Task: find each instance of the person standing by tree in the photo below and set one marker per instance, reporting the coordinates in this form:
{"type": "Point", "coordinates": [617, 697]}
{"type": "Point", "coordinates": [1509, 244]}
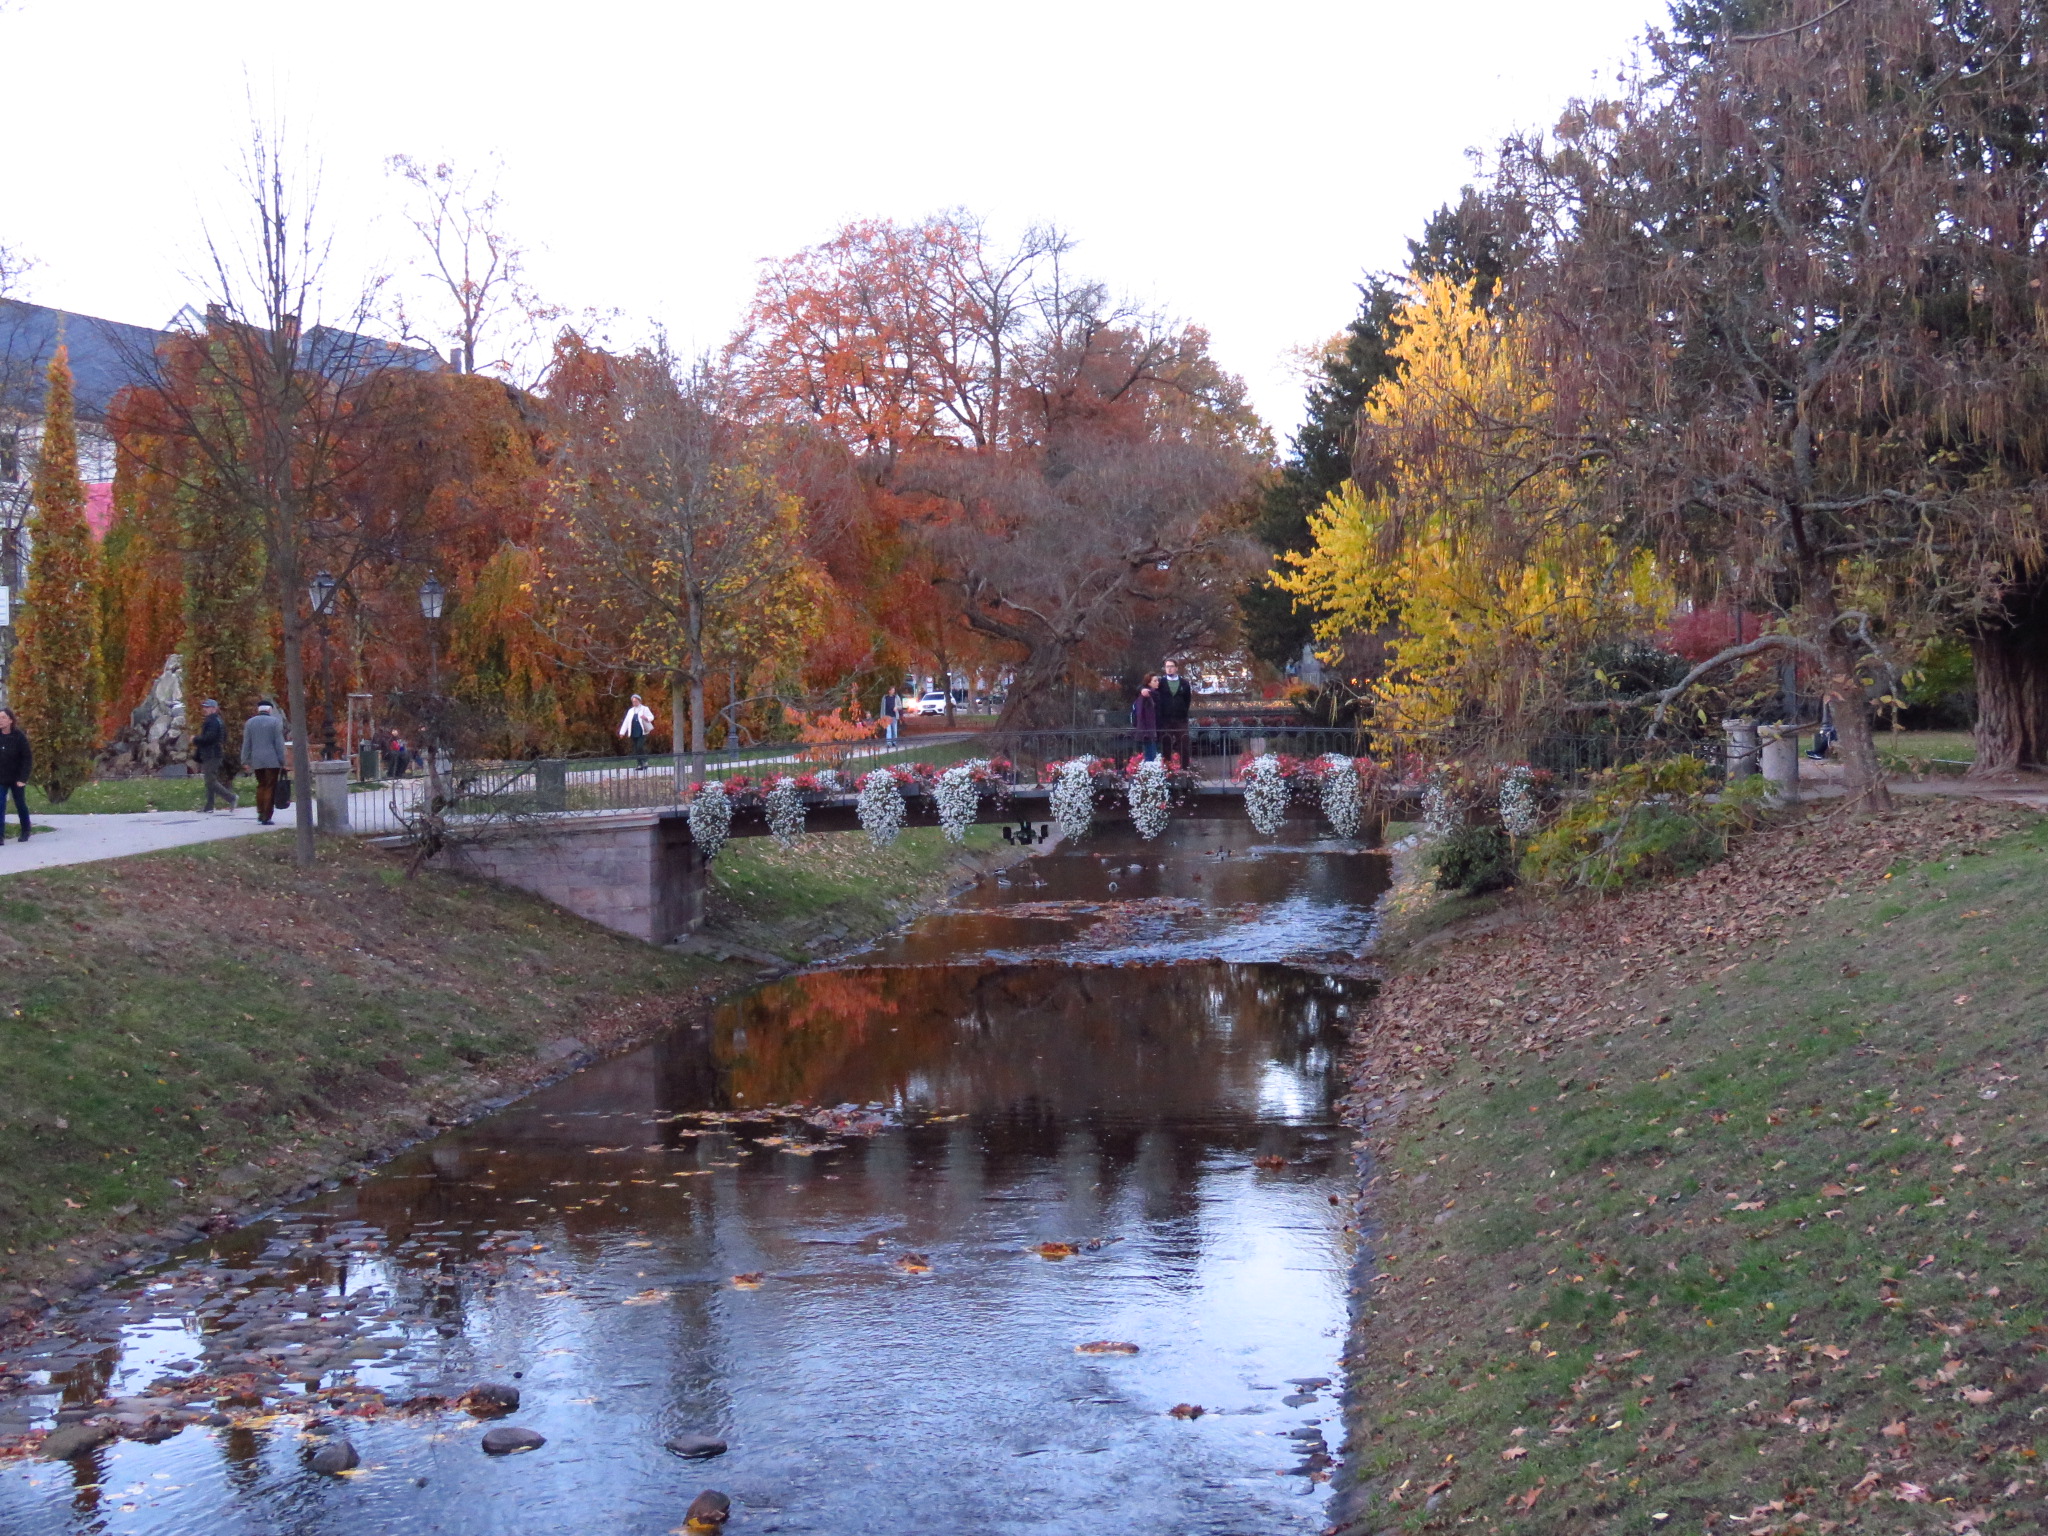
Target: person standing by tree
{"type": "Point", "coordinates": [263, 748]}
{"type": "Point", "coordinates": [17, 762]}
{"type": "Point", "coordinates": [1175, 696]}
{"type": "Point", "coordinates": [892, 713]}
{"type": "Point", "coordinates": [210, 752]}
{"type": "Point", "coordinates": [639, 725]}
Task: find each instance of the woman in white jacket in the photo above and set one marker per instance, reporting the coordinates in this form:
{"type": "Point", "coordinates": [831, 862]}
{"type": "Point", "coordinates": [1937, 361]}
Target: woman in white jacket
{"type": "Point", "coordinates": [638, 724]}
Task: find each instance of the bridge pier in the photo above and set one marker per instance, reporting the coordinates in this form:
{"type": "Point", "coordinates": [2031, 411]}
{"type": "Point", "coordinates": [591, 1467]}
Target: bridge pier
{"type": "Point", "coordinates": [638, 875]}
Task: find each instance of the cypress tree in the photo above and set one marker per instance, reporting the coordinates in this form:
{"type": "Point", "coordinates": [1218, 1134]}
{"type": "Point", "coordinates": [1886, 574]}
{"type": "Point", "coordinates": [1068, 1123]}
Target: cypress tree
{"type": "Point", "coordinates": [56, 681]}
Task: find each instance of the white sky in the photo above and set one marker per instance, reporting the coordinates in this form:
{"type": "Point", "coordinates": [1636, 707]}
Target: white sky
{"type": "Point", "coordinates": [1239, 166]}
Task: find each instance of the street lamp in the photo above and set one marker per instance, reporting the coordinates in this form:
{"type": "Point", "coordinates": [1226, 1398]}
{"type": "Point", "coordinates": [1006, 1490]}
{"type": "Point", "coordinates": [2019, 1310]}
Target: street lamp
{"type": "Point", "coordinates": [433, 596]}
{"type": "Point", "coordinates": [321, 592]}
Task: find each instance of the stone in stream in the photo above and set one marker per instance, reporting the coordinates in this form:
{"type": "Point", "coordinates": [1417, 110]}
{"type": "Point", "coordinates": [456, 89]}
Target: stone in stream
{"type": "Point", "coordinates": [492, 1397]}
{"type": "Point", "coordinates": [708, 1511]}
{"type": "Point", "coordinates": [76, 1440]}
{"type": "Point", "coordinates": [337, 1455]}
{"type": "Point", "coordinates": [507, 1438]}
{"type": "Point", "coordinates": [697, 1447]}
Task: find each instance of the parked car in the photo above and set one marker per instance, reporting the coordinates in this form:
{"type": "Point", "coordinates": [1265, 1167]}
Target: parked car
{"type": "Point", "coordinates": [931, 702]}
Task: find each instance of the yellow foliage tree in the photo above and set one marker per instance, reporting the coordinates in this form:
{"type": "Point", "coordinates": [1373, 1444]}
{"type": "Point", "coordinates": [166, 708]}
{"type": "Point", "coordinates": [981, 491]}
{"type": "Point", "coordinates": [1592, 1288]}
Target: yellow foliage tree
{"type": "Point", "coordinates": [1467, 547]}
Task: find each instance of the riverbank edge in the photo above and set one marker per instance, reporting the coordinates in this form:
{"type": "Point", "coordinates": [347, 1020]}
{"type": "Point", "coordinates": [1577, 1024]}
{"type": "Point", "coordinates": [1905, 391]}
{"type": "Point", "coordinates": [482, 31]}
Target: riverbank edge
{"type": "Point", "coordinates": [1428, 1440]}
{"type": "Point", "coordinates": [701, 975]}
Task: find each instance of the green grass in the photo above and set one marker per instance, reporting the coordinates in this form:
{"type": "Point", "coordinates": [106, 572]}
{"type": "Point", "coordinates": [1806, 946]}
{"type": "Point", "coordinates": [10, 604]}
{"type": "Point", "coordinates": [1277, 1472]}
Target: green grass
{"type": "Point", "coordinates": [1926, 752]}
{"type": "Point", "coordinates": [832, 887]}
{"type": "Point", "coordinates": [1778, 1258]}
{"type": "Point", "coordinates": [124, 796]}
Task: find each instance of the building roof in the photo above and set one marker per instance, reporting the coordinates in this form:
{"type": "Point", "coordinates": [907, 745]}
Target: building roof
{"type": "Point", "coordinates": [104, 356]}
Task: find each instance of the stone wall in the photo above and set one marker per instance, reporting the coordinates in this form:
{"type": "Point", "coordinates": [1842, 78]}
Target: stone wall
{"type": "Point", "coordinates": [639, 875]}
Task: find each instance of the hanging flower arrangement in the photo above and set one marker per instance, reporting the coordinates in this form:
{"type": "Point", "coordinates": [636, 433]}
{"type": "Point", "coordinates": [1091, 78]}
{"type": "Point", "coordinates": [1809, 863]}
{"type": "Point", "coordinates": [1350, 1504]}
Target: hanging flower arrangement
{"type": "Point", "coordinates": [1149, 790]}
{"type": "Point", "coordinates": [880, 807]}
{"type": "Point", "coordinates": [1073, 796]}
{"type": "Point", "coordinates": [958, 793]}
{"type": "Point", "coordinates": [1342, 806]}
{"type": "Point", "coordinates": [1442, 811]}
{"type": "Point", "coordinates": [710, 816]}
{"type": "Point", "coordinates": [1265, 794]}
{"type": "Point", "coordinates": [1520, 815]}
{"type": "Point", "coordinates": [784, 804]}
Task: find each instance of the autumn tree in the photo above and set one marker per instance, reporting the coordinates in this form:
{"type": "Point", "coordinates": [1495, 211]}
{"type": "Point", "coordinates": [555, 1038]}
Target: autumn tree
{"type": "Point", "coordinates": [56, 665]}
{"type": "Point", "coordinates": [670, 544]}
{"type": "Point", "coordinates": [1789, 288]}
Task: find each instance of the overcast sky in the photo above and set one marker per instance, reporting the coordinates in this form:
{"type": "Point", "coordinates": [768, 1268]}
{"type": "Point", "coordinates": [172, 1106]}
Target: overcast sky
{"type": "Point", "coordinates": [1239, 166]}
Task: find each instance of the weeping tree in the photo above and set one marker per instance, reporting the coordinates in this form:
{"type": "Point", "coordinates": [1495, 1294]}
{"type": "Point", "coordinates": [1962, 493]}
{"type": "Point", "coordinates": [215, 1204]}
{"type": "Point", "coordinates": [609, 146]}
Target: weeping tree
{"type": "Point", "coordinates": [1790, 285]}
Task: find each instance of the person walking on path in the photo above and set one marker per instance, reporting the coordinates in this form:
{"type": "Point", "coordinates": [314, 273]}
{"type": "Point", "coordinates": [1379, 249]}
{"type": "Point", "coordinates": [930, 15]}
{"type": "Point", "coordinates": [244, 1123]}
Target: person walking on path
{"type": "Point", "coordinates": [1145, 718]}
{"type": "Point", "coordinates": [263, 754]}
{"type": "Point", "coordinates": [1174, 698]}
{"type": "Point", "coordinates": [892, 712]}
{"type": "Point", "coordinates": [17, 762]}
{"type": "Point", "coordinates": [638, 724]}
{"type": "Point", "coordinates": [210, 750]}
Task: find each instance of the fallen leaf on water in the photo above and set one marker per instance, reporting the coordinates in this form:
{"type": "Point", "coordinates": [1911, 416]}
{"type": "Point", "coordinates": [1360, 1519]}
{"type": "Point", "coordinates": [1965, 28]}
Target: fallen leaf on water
{"type": "Point", "coordinates": [914, 1264]}
{"type": "Point", "coordinates": [1054, 1250]}
{"type": "Point", "coordinates": [1106, 1347]}
{"type": "Point", "coordinates": [748, 1282]}
{"type": "Point", "coordinates": [1186, 1411]}
{"type": "Point", "coordinates": [1270, 1160]}
{"type": "Point", "coordinates": [644, 1298]}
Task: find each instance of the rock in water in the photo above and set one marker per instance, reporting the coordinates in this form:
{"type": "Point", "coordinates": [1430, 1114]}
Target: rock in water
{"type": "Point", "coordinates": [708, 1511]}
{"type": "Point", "coordinates": [508, 1438]}
{"type": "Point", "coordinates": [334, 1456]}
{"type": "Point", "coordinates": [697, 1447]}
{"type": "Point", "coordinates": [492, 1397]}
{"type": "Point", "coordinates": [75, 1440]}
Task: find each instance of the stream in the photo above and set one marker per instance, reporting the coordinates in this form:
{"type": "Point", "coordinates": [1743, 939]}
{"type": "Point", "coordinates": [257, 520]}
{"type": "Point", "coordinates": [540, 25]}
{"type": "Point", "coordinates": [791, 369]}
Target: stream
{"type": "Point", "coordinates": [863, 1225]}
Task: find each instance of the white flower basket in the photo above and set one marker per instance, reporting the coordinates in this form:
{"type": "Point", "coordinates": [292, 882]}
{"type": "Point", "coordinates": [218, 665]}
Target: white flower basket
{"type": "Point", "coordinates": [827, 780]}
{"type": "Point", "coordinates": [1341, 804]}
{"type": "Point", "coordinates": [1265, 795]}
{"type": "Point", "coordinates": [710, 815]}
{"type": "Point", "coordinates": [1441, 812]}
{"type": "Point", "coordinates": [1149, 792]}
{"type": "Point", "coordinates": [784, 804]}
{"type": "Point", "coordinates": [959, 798]}
{"type": "Point", "coordinates": [881, 807]}
{"type": "Point", "coordinates": [1519, 815]}
{"type": "Point", "coordinates": [1073, 797]}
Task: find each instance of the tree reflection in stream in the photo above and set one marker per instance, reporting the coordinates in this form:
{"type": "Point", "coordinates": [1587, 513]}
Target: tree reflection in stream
{"type": "Point", "coordinates": [1170, 1123]}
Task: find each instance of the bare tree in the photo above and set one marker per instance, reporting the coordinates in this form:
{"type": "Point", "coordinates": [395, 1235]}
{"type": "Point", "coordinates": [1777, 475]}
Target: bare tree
{"type": "Point", "coordinates": [470, 256]}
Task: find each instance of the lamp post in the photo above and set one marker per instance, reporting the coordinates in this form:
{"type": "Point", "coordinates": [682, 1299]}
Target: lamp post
{"type": "Point", "coordinates": [433, 596]}
{"type": "Point", "coordinates": [321, 592]}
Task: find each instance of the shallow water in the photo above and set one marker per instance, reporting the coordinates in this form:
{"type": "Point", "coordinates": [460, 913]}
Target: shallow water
{"type": "Point", "coordinates": [876, 1150]}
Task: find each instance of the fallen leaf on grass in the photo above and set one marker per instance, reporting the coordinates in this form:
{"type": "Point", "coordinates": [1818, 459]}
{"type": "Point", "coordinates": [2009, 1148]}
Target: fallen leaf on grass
{"type": "Point", "coordinates": [1910, 1493]}
{"type": "Point", "coordinates": [1514, 1453]}
{"type": "Point", "coordinates": [1834, 1351]}
{"type": "Point", "coordinates": [1833, 1191]}
{"type": "Point", "coordinates": [1748, 1205]}
{"type": "Point", "coordinates": [1054, 1250]}
{"type": "Point", "coordinates": [1106, 1347]}
{"type": "Point", "coordinates": [1977, 1397]}
{"type": "Point", "coordinates": [748, 1282]}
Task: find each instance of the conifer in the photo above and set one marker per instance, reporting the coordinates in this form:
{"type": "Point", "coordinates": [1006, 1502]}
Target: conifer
{"type": "Point", "coordinates": [55, 685]}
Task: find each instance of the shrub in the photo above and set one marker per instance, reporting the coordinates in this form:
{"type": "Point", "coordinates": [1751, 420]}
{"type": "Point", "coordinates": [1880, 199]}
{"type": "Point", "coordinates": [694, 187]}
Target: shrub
{"type": "Point", "coordinates": [1474, 860]}
{"type": "Point", "coordinates": [1643, 822]}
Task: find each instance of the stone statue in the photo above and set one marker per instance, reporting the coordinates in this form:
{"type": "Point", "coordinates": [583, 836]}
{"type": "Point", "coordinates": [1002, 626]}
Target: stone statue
{"type": "Point", "coordinates": [154, 739]}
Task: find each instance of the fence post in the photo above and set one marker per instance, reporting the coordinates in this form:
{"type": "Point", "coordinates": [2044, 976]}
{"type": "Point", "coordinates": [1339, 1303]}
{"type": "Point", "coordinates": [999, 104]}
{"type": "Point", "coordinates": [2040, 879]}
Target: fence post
{"type": "Point", "coordinates": [550, 784]}
{"type": "Point", "coordinates": [330, 795]}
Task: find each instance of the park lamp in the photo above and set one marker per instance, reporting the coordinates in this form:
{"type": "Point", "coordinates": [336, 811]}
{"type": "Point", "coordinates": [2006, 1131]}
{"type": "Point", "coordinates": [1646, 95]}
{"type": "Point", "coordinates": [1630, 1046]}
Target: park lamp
{"type": "Point", "coordinates": [432, 596]}
{"type": "Point", "coordinates": [322, 593]}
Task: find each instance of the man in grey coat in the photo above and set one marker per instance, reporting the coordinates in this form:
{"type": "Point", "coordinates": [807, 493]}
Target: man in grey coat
{"type": "Point", "coordinates": [263, 752]}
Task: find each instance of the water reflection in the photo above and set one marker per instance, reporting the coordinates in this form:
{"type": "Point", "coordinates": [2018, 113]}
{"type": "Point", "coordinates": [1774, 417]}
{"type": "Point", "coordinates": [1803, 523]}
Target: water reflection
{"type": "Point", "coordinates": [884, 1147]}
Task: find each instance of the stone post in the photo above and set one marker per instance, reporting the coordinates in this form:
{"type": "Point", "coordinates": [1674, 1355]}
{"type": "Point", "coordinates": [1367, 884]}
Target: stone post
{"type": "Point", "coordinates": [330, 795]}
{"type": "Point", "coordinates": [550, 784]}
{"type": "Point", "coordinates": [1742, 748]}
{"type": "Point", "coordinates": [1781, 758]}
{"type": "Point", "coordinates": [370, 763]}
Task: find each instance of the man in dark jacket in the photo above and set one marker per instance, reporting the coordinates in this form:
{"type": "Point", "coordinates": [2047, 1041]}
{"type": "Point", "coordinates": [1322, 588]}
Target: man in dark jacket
{"type": "Point", "coordinates": [263, 755]}
{"type": "Point", "coordinates": [210, 750]}
{"type": "Point", "coordinates": [1175, 695]}
{"type": "Point", "coordinates": [17, 762]}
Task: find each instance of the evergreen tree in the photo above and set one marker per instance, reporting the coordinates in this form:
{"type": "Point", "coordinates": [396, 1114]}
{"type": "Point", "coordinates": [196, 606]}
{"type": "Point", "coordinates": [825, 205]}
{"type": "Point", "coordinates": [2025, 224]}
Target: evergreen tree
{"type": "Point", "coordinates": [56, 683]}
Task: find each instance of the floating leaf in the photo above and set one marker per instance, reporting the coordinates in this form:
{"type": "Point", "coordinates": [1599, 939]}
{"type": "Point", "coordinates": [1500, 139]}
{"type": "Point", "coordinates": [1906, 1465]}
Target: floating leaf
{"type": "Point", "coordinates": [1106, 1347]}
{"type": "Point", "coordinates": [748, 1282]}
{"type": "Point", "coordinates": [1054, 1250]}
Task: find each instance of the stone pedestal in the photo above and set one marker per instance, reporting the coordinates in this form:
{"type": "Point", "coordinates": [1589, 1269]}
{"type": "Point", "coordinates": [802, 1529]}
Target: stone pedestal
{"type": "Point", "coordinates": [1780, 744]}
{"type": "Point", "coordinates": [330, 795]}
{"type": "Point", "coordinates": [370, 763]}
{"type": "Point", "coordinates": [1742, 748]}
{"type": "Point", "coordinates": [551, 784]}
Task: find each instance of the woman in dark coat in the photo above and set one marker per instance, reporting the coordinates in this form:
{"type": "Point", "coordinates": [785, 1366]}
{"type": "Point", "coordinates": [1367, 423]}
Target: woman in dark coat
{"type": "Point", "coordinates": [1145, 718]}
{"type": "Point", "coordinates": [17, 762]}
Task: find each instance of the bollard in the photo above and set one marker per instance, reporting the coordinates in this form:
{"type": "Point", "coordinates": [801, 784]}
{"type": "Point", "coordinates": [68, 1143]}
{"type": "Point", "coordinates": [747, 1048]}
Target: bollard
{"type": "Point", "coordinates": [550, 784]}
{"type": "Point", "coordinates": [1742, 747]}
{"type": "Point", "coordinates": [330, 795]}
{"type": "Point", "coordinates": [371, 763]}
{"type": "Point", "coordinates": [1780, 755]}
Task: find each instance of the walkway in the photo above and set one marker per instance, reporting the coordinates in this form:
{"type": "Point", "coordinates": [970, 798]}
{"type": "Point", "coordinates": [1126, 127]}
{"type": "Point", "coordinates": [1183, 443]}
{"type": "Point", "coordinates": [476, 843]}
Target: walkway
{"type": "Point", "coordinates": [59, 839]}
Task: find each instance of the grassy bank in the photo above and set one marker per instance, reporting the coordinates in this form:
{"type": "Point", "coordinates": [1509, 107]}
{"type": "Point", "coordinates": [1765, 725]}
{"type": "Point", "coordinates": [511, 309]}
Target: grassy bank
{"type": "Point", "coordinates": [199, 1029]}
{"type": "Point", "coordinates": [1719, 1207]}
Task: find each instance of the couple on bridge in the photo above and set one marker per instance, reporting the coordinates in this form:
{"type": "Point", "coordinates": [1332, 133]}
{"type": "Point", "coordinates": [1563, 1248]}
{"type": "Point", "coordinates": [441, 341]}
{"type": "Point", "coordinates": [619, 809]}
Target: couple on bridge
{"type": "Point", "coordinates": [1159, 714]}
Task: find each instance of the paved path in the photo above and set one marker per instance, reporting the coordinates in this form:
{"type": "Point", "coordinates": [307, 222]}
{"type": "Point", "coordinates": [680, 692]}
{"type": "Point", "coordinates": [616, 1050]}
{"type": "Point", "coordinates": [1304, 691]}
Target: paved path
{"type": "Point", "coordinates": [82, 839]}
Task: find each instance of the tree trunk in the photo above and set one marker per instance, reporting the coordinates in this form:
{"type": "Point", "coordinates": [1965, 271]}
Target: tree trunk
{"type": "Point", "coordinates": [2011, 665]}
{"type": "Point", "coordinates": [1849, 705]}
{"type": "Point", "coordinates": [678, 714]}
{"type": "Point", "coordinates": [697, 722]}
{"type": "Point", "coordinates": [302, 755]}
